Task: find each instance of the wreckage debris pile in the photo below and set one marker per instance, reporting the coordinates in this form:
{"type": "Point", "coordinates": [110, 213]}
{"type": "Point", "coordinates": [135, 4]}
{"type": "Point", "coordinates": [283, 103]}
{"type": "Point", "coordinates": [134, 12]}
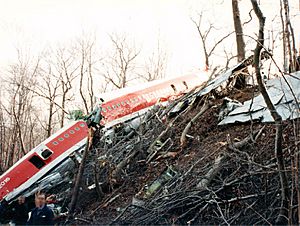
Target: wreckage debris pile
{"type": "Point", "coordinates": [221, 175]}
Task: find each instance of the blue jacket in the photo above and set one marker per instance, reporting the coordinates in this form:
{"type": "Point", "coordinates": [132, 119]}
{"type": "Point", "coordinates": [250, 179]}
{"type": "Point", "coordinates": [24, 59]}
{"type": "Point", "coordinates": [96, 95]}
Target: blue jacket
{"type": "Point", "coordinates": [41, 216]}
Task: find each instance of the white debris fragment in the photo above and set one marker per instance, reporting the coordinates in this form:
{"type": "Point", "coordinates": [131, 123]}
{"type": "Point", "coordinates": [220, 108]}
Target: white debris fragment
{"type": "Point", "coordinates": [285, 95]}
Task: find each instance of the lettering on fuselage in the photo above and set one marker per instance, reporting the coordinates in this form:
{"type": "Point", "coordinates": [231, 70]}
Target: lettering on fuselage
{"type": "Point", "coordinates": [7, 179]}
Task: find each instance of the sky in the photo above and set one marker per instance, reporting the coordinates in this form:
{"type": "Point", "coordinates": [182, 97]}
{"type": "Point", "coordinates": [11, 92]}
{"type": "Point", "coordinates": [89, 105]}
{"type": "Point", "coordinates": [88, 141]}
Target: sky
{"type": "Point", "coordinates": [35, 24]}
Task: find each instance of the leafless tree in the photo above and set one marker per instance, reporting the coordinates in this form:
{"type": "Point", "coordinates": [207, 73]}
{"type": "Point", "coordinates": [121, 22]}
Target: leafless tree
{"type": "Point", "coordinates": [289, 45]}
{"type": "Point", "coordinates": [15, 109]}
{"type": "Point", "coordinates": [238, 31]}
{"type": "Point", "coordinates": [204, 35]}
{"type": "Point", "coordinates": [66, 67]}
{"type": "Point", "coordinates": [155, 66]}
{"type": "Point", "coordinates": [241, 80]}
{"type": "Point", "coordinates": [120, 64]}
{"type": "Point", "coordinates": [48, 88]}
{"type": "Point", "coordinates": [88, 59]}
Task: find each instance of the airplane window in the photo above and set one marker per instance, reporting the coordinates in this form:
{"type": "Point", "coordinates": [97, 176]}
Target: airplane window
{"type": "Point", "coordinates": [127, 101]}
{"type": "Point", "coordinates": [37, 162]}
{"type": "Point", "coordinates": [123, 103]}
{"type": "Point", "coordinates": [114, 106]}
{"type": "Point", "coordinates": [60, 139]}
{"type": "Point", "coordinates": [71, 131]}
{"type": "Point", "coordinates": [66, 135]}
{"type": "Point", "coordinates": [103, 109]}
{"type": "Point", "coordinates": [77, 128]}
{"type": "Point", "coordinates": [118, 104]}
{"type": "Point", "coordinates": [46, 153]}
{"type": "Point", "coordinates": [185, 84]}
{"type": "Point", "coordinates": [174, 88]}
{"type": "Point", "coordinates": [109, 108]}
{"type": "Point", "coordinates": [55, 143]}
{"type": "Point", "coordinates": [82, 125]}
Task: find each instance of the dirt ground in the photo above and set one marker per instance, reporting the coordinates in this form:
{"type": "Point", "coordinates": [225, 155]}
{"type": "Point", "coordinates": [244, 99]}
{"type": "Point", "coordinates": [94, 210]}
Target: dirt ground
{"type": "Point", "coordinates": [252, 199]}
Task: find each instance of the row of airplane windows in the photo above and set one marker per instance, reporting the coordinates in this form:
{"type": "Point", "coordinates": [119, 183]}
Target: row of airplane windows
{"type": "Point", "coordinates": [147, 96]}
{"type": "Point", "coordinates": [67, 135]}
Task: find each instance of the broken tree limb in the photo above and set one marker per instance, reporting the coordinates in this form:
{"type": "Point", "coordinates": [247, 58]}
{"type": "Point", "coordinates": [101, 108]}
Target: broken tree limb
{"type": "Point", "coordinates": [97, 184]}
{"type": "Point", "coordinates": [78, 177]}
{"type": "Point", "coordinates": [111, 200]}
{"type": "Point", "coordinates": [210, 175]}
{"type": "Point", "coordinates": [250, 139]}
{"type": "Point", "coordinates": [151, 149]}
{"type": "Point", "coordinates": [154, 153]}
{"type": "Point", "coordinates": [183, 139]}
{"type": "Point", "coordinates": [217, 166]}
{"type": "Point", "coordinates": [116, 173]}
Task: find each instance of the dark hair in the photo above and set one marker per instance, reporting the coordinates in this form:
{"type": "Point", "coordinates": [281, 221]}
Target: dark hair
{"type": "Point", "coordinates": [4, 202]}
{"type": "Point", "coordinates": [40, 193]}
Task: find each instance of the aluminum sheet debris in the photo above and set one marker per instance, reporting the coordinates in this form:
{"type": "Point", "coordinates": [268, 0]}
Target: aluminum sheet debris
{"type": "Point", "coordinates": [285, 95]}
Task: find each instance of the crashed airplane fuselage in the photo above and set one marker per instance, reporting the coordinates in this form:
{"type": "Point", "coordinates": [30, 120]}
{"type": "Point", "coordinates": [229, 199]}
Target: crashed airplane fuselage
{"type": "Point", "coordinates": [50, 153]}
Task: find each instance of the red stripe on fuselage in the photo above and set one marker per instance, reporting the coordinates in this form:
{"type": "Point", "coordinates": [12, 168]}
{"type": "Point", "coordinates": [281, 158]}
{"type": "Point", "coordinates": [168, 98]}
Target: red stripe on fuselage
{"type": "Point", "coordinates": [24, 170]}
{"type": "Point", "coordinates": [117, 108]}
{"type": "Point", "coordinates": [136, 101]}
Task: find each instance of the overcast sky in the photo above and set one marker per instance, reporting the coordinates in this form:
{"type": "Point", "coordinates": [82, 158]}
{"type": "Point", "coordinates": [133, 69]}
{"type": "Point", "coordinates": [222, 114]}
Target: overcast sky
{"type": "Point", "coordinates": [34, 24]}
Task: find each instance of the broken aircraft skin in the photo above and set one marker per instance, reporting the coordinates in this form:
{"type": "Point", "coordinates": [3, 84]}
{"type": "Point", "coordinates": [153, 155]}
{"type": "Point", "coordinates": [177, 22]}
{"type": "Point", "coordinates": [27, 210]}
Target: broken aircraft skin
{"type": "Point", "coordinates": [285, 96]}
{"type": "Point", "coordinates": [37, 163]}
{"type": "Point", "coordinates": [57, 178]}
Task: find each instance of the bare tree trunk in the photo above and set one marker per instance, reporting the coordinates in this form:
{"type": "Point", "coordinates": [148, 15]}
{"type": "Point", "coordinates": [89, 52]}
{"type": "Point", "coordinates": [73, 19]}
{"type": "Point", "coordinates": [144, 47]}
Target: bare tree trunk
{"type": "Point", "coordinates": [294, 50]}
{"type": "Point", "coordinates": [285, 64]}
{"type": "Point", "coordinates": [240, 44]}
{"type": "Point", "coordinates": [78, 177]}
{"type": "Point", "coordinates": [238, 31]}
{"type": "Point", "coordinates": [49, 125]}
{"type": "Point", "coordinates": [17, 117]}
{"type": "Point", "coordinates": [90, 78]}
{"type": "Point", "coordinates": [289, 37]}
{"type": "Point", "coordinates": [81, 81]}
{"type": "Point", "coordinates": [63, 102]}
{"type": "Point", "coordinates": [283, 214]}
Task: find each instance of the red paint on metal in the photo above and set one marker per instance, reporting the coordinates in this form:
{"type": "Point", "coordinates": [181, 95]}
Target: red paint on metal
{"type": "Point", "coordinates": [112, 110]}
{"type": "Point", "coordinates": [24, 170]}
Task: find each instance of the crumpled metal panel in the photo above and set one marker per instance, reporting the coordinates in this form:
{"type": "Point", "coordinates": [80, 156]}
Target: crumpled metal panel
{"type": "Point", "coordinates": [282, 96]}
{"type": "Point", "coordinates": [217, 81]}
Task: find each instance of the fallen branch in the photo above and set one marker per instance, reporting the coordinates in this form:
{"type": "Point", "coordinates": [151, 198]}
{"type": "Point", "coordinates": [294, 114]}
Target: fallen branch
{"type": "Point", "coordinates": [210, 175]}
{"type": "Point", "coordinates": [152, 148]}
{"type": "Point", "coordinates": [183, 139]}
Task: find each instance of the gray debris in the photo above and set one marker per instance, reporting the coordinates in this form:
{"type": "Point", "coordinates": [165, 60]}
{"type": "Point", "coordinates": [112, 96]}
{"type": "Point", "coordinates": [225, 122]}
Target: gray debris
{"type": "Point", "coordinates": [282, 95]}
{"type": "Point", "coordinates": [228, 106]}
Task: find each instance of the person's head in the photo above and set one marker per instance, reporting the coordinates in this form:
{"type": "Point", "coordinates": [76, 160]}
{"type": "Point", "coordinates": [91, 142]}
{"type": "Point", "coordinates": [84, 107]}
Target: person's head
{"type": "Point", "coordinates": [40, 199]}
{"type": "Point", "coordinates": [4, 203]}
{"type": "Point", "coordinates": [21, 200]}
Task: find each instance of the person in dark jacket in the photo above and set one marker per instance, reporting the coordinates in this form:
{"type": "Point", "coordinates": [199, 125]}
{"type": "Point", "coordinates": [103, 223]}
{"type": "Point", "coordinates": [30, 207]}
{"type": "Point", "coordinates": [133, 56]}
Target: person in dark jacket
{"type": "Point", "coordinates": [41, 214]}
{"type": "Point", "coordinates": [3, 211]}
{"type": "Point", "coordinates": [20, 211]}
